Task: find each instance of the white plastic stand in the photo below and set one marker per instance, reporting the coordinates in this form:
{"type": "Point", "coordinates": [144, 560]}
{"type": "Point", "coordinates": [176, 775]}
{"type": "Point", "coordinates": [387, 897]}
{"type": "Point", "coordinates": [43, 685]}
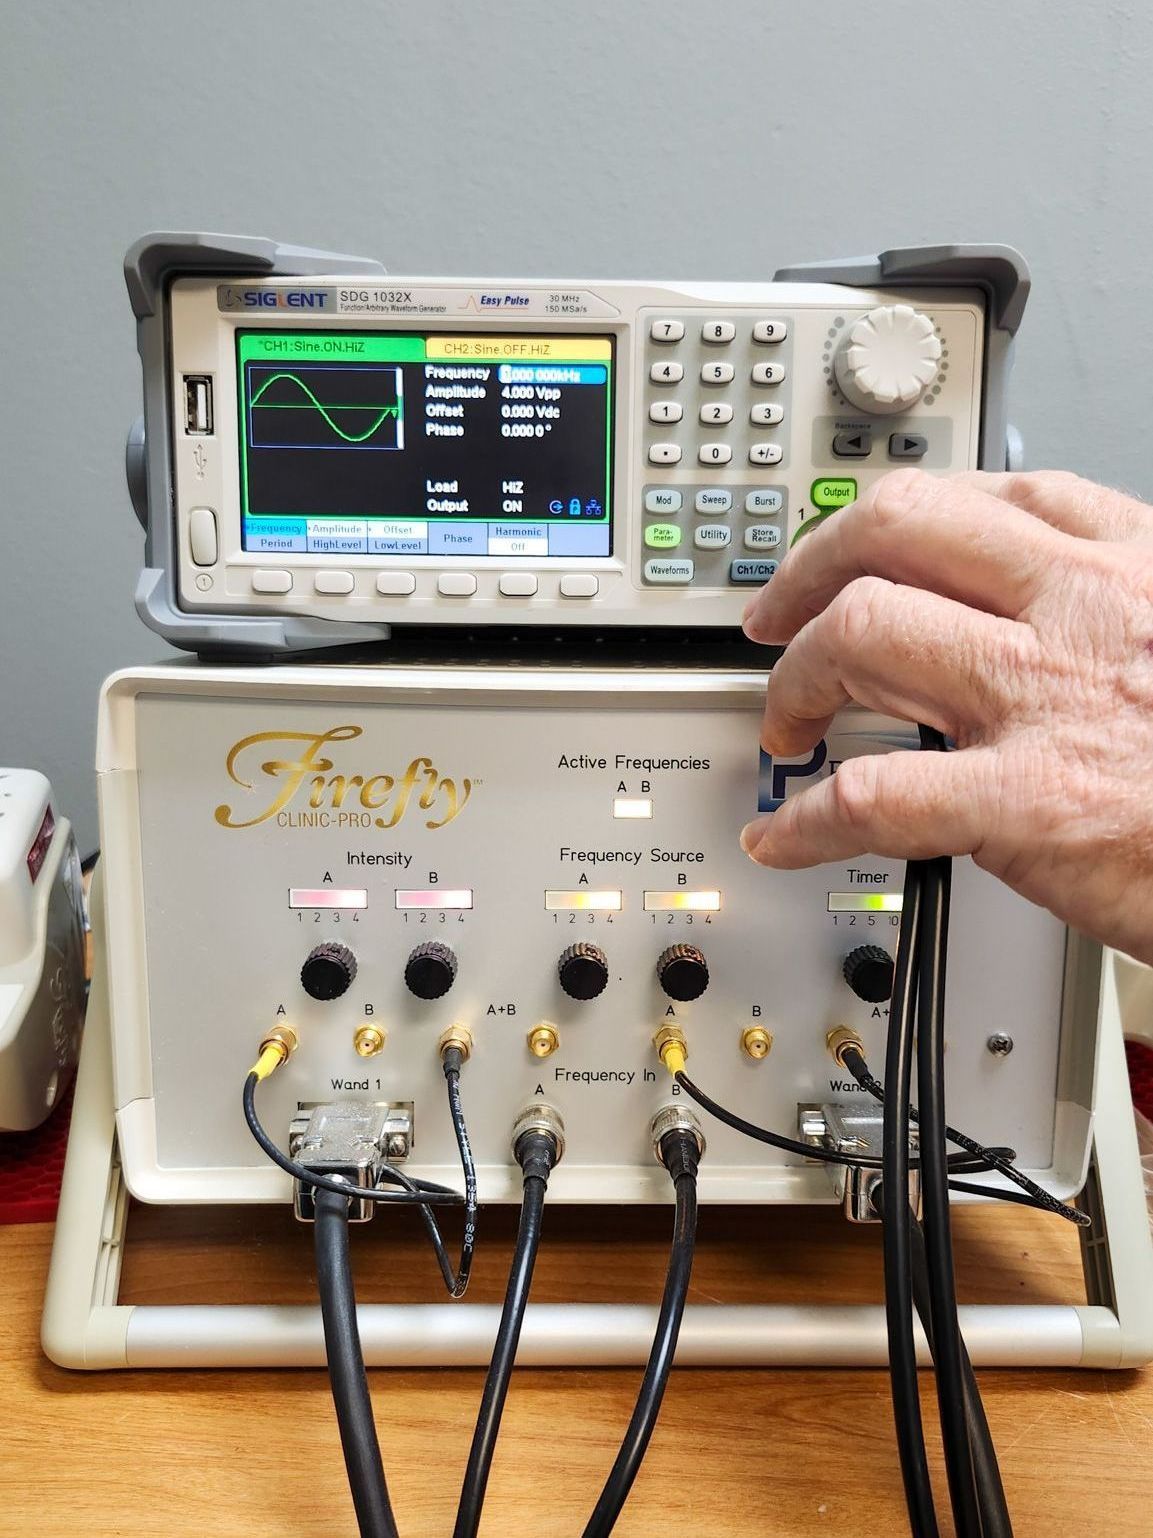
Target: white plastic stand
{"type": "Point", "coordinates": [85, 1327]}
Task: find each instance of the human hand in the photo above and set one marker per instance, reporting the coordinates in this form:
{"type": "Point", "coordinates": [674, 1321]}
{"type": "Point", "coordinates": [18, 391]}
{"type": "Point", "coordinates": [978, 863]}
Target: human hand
{"type": "Point", "coordinates": [1015, 614]}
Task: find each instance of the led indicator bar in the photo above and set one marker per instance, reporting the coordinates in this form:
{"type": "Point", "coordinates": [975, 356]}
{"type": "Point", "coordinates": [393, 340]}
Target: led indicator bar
{"type": "Point", "coordinates": [682, 902]}
{"type": "Point", "coordinates": [632, 806]}
{"type": "Point", "coordinates": [436, 897]}
{"type": "Point", "coordinates": [327, 897]}
{"type": "Point", "coordinates": [865, 902]}
{"type": "Point", "coordinates": [600, 902]}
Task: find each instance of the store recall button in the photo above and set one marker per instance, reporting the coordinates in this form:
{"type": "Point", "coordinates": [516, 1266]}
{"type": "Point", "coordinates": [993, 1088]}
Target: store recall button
{"type": "Point", "coordinates": [752, 571]}
{"type": "Point", "coordinates": [668, 572]}
{"type": "Point", "coordinates": [833, 491]}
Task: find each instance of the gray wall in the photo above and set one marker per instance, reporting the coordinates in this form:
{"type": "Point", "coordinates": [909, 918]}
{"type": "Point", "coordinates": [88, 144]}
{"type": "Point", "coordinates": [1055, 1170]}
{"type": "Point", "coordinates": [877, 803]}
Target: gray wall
{"type": "Point", "coordinates": [620, 137]}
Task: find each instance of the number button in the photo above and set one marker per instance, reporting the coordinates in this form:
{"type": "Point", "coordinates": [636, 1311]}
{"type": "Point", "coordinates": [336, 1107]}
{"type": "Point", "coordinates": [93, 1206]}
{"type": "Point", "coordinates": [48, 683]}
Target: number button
{"type": "Point", "coordinates": [766, 454]}
{"type": "Point", "coordinates": [714, 453]}
{"type": "Point", "coordinates": [666, 373]}
{"type": "Point", "coordinates": [767, 416]}
{"type": "Point", "coordinates": [666, 411]}
{"type": "Point", "coordinates": [667, 330]}
{"type": "Point", "coordinates": [664, 454]}
{"type": "Point", "coordinates": [768, 373]}
{"type": "Point", "coordinates": [715, 413]}
{"type": "Point", "coordinates": [718, 331]}
{"type": "Point", "coordinates": [770, 331]}
{"type": "Point", "coordinates": [717, 373]}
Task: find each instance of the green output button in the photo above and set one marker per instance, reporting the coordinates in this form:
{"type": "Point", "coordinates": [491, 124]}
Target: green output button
{"type": "Point", "coordinates": [662, 536]}
{"type": "Point", "coordinates": [832, 492]}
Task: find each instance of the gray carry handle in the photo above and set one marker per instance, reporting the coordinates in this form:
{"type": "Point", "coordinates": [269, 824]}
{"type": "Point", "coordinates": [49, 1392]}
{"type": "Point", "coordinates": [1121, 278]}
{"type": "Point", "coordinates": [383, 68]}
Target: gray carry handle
{"type": "Point", "coordinates": [150, 265]}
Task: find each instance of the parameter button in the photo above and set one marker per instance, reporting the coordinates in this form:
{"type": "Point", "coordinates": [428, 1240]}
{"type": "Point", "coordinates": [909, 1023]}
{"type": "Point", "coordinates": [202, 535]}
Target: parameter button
{"type": "Point", "coordinates": [456, 584]}
{"type": "Point", "coordinates": [663, 499]}
{"type": "Point", "coordinates": [668, 573]}
{"type": "Point", "coordinates": [718, 331]}
{"type": "Point", "coordinates": [713, 499]}
{"type": "Point", "coordinates": [333, 582]}
{"type": "Point", "coordinates": [202, 536]}
{"type": "Point", "coordinates": [518, 584]}
{"type": "Point", "coordinates": [272, 582]}
{"type": "Point", "coordinates": [395, 583]}
{"type": "Point", "coordinates": [579, 584]}
{"type": "Point", "coordinates": [664, 453]}
{"type": "Point", "coordinates": [667, 330]}
{"type": "Point", "coordinates": [662, 536]}
{"type": "Point", "coordinates": [770, 331]}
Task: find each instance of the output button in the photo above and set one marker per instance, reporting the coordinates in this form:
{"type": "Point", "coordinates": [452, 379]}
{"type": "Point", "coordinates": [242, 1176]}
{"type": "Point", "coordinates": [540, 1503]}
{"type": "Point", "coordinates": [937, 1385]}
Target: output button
{"type": "Point", "coordinates": [833, 491]}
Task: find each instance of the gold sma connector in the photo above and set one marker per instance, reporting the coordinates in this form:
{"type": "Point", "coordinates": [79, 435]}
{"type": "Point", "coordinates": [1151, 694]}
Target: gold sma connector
{"type": "Point", "coordinates": [543, 1039]}
{"type": "Point", "coordinates": [841, 1038]}
{"type": "Point", "coordinates": [756, 1042]}
{"type": "Point", "coordinates": [368, 1040]}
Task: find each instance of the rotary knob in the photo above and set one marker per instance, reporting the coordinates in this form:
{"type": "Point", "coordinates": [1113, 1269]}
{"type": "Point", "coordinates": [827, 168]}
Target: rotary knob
{"type": "Point", "coordinates": [430, 970]}
{"type": "Point", "coordinates": [328, 970]}
{"type": "Point", "coordinates": [888, 359]}
{"type": "Point", "coordinates": [868, 970]}
{"type": "Point", "coordinates": [583, 970]}
{"type": "Point", "coordinates": [683, 972]}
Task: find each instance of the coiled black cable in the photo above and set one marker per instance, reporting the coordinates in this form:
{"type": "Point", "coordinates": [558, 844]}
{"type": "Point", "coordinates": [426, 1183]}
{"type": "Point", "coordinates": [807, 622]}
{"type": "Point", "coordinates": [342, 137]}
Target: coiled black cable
{"type": "Point", "coordinates": [999, 1159]}
{"type": "Point", "coordinates": [536, 1152]}
{"type": "Point", "coordinates": [422, 1193]}
{"type": "Point", "coordinates": [680, 1154]}
{"type": "Point", "coordinates": [346, 1369]}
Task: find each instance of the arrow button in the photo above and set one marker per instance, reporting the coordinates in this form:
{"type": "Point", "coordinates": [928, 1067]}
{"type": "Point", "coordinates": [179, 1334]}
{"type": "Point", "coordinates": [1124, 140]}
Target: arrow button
{"type": "Point", "coordinates": [908, 446]}
{"type": "Point", "coordinates": [854, 445]}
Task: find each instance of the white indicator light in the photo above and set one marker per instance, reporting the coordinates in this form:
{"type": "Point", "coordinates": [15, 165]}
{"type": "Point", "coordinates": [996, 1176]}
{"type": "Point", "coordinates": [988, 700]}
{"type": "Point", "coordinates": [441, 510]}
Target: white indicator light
{"type": "Point", "coordinates": [865, 902]}
{"type": "Point", "coordinates": [436, 897]}
{"type": "Point", "coordinates": [600, 902]}
{"type": "Point", "coordinates": [327, 897]}
{"type": "Point", "coordinates": [682, 902]}
{"type": "Point", "coordinates": [632, 806]}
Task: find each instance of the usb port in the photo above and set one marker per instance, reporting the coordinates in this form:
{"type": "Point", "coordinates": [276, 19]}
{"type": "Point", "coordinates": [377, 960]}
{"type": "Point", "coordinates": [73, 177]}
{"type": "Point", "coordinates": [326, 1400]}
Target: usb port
{"type": "Point", "coordinates": [197, 403]}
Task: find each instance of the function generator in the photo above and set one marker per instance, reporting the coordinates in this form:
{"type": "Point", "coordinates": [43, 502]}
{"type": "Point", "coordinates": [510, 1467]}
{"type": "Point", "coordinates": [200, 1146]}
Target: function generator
{"type": "Point", "coordinates": [329, 454]}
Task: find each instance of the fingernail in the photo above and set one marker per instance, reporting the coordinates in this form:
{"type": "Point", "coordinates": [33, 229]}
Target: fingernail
{"type": "Point", "coordinates": [751, 837]}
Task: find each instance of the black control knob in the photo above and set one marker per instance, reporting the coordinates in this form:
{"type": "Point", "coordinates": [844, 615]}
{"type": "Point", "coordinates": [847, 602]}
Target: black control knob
{"type": "Point", "coordinates": [869, 973]}
{"type": "Point", "coordinates": [583, 970]}
{"type": "Point", "coordinates": [430, 970]}
{"type": "Point", "coordinates": [329, 970]}
{"type": "Point", "coordinates": [683, 972]}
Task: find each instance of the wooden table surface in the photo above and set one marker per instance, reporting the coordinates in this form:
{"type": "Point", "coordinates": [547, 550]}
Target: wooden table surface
{"type": "Point", "coordinates": [780, 1454]}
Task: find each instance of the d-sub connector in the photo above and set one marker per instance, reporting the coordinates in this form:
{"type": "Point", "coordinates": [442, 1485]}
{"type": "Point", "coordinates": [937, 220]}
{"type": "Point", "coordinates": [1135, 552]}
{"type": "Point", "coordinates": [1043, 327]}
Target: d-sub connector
{"type": "Point", "coordinates": [348, 1140]}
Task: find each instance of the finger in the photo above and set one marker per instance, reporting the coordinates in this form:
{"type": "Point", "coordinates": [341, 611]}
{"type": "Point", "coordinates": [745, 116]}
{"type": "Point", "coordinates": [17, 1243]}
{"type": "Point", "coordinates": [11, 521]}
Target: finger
{"type": "Point", "coordinates": [904, 806]}
{"type": "Point", "coordinates": [1067, 502]}
{"type": "Point", "coordinates": [898, 651]}
{"type": "Point", "coordinates": [920, 530]}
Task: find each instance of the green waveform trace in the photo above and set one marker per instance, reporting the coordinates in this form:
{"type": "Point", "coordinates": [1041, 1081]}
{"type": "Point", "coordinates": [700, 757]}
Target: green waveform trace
{"type": "Point", "coordinates": [312, 404]}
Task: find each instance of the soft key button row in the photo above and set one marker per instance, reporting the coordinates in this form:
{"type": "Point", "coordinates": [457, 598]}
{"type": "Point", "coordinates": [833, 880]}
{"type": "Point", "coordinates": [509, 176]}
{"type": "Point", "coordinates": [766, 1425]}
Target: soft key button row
{"type": "Point", "coordinates": [449, 584]}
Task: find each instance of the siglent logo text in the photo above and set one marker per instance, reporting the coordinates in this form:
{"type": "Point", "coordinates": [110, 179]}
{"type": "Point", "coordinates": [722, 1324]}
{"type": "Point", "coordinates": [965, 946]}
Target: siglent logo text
{"type": "Point", "coordinates": [277, 298]}
{"type": "Point", "coordinates": [298, 789]}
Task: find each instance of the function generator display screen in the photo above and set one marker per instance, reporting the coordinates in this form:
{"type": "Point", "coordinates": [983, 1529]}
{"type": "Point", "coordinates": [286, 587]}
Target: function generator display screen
{"type": "Point", "coordinates": [362, 443]}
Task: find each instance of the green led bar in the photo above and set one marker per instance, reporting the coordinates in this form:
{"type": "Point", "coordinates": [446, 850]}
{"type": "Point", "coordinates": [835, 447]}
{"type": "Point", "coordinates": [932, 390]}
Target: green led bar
{"type": "Point", "coordinates": [865, 902]}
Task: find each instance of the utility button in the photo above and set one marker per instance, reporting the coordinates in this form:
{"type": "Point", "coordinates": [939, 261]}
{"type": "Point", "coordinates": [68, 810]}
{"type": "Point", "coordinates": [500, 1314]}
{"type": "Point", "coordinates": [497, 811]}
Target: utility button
{"type": "Point", "coordinates": [752, 571]}
{"type": "Point", "coordinates": [669, 573]}
{"type": "Point", "coordinates": [833, 491]}
{"type": "Point", "coordinates": [854, 445]}
{"type": "Point", "coordinates": [908, 446]}
{"type": "Point", "coordinates": [662, 536]}
{"type": "Point", "coordinates": [712, 536]}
